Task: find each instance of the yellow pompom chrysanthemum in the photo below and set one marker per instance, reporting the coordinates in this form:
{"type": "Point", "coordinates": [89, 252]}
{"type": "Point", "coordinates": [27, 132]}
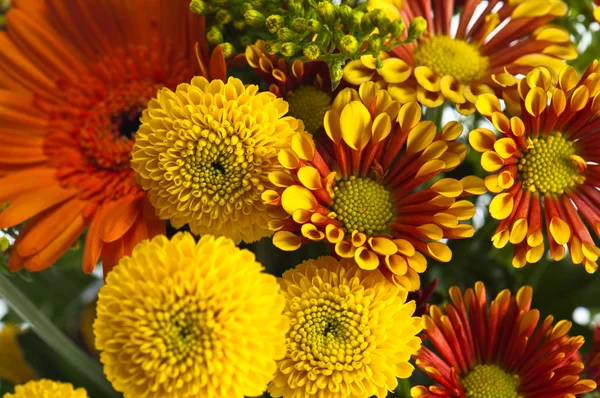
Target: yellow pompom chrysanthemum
{"type": "Point", "coordinates": [47, 389]}
{"type": "Point", "coordinates": [204, 153]}
{"type": "Point", "coordinates": [13, 366]}
{"type": "Point", "coordinates": [351, 334]}
{"type": "Point", "coordinates": [181, 319]}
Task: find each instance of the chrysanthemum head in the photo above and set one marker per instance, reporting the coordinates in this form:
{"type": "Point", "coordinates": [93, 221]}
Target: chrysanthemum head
{"type": "Point", "coordinates": [179, 319]}
{"type": "Point", "coordinates": [352, 332]}
{"type": "Point", "coordinates": [47, 389]}
{"type": "Point", "coordinates": [309, 104]}
{"type": "Point", "coordinates": [489, 381]}
{"type": "Point", "coordinates": [204, 152]}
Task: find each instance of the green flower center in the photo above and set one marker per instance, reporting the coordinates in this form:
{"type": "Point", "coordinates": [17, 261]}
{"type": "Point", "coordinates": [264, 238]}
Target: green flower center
{"type": "Point", "coordinates": [309, 104]}
{"type": "Point", "coordinates": [363, 205]}
{"type": "Point", "coordinates": [453, 57]}
{"type": "Point", "coordinates": [489, 381]}
{"type": "Point", "coordinates": [547, 165]}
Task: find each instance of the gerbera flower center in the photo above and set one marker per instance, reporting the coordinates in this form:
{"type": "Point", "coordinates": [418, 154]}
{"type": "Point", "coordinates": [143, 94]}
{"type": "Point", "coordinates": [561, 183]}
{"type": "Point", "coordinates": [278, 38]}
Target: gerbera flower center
{"type": "Point", "coordinates": [363, 205]}
{"type": "Point", "coordinates": [332, 330]}
{"type": "Point", "coordinates": [453, 57]}
{"type": "Point", "coordinates": [309, 104]}
{"type": "Point", "coordinates": [548, 165]}
{"type": "Point", "coordinates": [489, 381]}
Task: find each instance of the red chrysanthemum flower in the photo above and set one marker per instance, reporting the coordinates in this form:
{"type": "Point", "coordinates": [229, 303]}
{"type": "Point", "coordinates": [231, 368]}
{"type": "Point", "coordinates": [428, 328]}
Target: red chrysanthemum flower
{"type": "Point", "coordinates": [306, 86]}
{"type": "Point", "coordinates": [498, 350]}
{"type": "Point", "coordinates": [74, 78]}
{"type": "Point", "coordinates": [544, 169]}
{"type": "Point", "coordinates": [460, 63]}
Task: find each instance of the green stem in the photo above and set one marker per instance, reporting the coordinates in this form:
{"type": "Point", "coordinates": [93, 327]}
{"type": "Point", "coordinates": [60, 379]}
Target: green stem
{"type": "Point", "coordinates": [403, 389]}
{"type": "Point", "coordinates": [47, 331]}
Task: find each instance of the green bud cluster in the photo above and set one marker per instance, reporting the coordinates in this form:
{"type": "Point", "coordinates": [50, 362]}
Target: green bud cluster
{"type": "Point", "coordinates": [322, 30]}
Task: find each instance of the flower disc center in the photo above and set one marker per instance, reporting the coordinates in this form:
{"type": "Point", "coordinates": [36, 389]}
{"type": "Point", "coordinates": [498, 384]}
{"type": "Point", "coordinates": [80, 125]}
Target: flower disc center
{"type": "Point", "coordinates": [309, 104]}
{"type": "Point", "coordinates": [451, 57]}
{"type": "Point", "coordinates": [548, 165]}
{"type": "Point", "coordinates": [487, 381]}
{"type": "Point", "coordinates": [363, 205]}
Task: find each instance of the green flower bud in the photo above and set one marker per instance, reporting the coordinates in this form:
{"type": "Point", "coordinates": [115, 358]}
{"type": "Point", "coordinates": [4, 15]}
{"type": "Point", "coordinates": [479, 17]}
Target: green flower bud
{"type": "Point", "coordinates": [246, 41]}
{"type": "Point", "coordinates": [285, 34]}
{"type": "Point", "coordinates": [365, 24]}
{"type": "Point", "coordinates": [223, 17]}
{"type": "Point", "coordinates": [289, 49]}
{"type": "Point", "coordinates": [220, 3]}
{"type": "Point", "coordinates": [257, 4]}
{"type": "Point", "coordinates": [357, 17]}
{"type": "Point", "coordinates": [300, 25]}
{"type": "Point", "coordinates": [376, 42]}
{"type": "Point", "coordinates": [311, 51]}
{"type": "Point", "coordinates": [416, 28]}
{"type": "Point", "coordinates": [214, 36]}
{"type": "Point", "coordinates": [239, 24]}
{"type": "Point", "coordinates": [198, 7]}
{"type": "Point", "coordinates": [344, 13]}
{"type": "Point", "coordinates": [348, 44]}
{"type": "Point", "coordinates": [245, 7]}
{"type": "Point", "coordinates": [378, 17]}
{"type": "Point", "coordinates": [397, 28]}
{"type": "Point", "coordinates": [336, 72]}
{"type": "Point", "coordinates": [4, 244]}
{"type": "Point", "coordinates": [326, 11]}
{"type": "Point", "coordinates": [274, 23]}
{"type": "Point", "coordinates": [228, 50]}
{"type": "Point", "coordinates": [314, 25]}
{"type": "Point", "coordinates": [272, 47]}
{"type": "Point", "coordinates": [254, 18]}
{"type": "Point", "coordinates": [295, 7]}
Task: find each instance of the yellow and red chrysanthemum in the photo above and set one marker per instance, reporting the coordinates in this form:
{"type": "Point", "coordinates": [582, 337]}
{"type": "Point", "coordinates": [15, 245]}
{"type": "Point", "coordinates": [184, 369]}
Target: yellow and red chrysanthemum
{"type": "Point", "coordinates": [459, 65]}
{"type": "Point", "coordinates": [359, 190]}
{"type": "Point", "coordinates": [500, 350]}
{"type": "Point", "coordinates": [592, 363]}
{"type": "Point", "coordinates": [304, 85]}
{"type": "Point", "coordinates": [74, 77]}
{"type": "Point", "coordinates": [545, 166]}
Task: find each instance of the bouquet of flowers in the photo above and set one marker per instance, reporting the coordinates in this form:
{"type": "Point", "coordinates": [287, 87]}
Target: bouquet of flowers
{"type": "Point", "coordinates": [299, 198]}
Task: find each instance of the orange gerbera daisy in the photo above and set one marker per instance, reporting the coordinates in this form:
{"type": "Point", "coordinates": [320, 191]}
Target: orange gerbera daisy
{"type": "Point", "coordinates": [74, 78]}
{"type": "Point", "coordinates": [545, 166]}
{"type": "Point", "coordinates": [498, 350]}
{"type": "Point", "coordinates": [460, 64]}
{"type": "Point", "coordinates": [306, 86]}
{"type": "Point", "coordinates": [362, 189]}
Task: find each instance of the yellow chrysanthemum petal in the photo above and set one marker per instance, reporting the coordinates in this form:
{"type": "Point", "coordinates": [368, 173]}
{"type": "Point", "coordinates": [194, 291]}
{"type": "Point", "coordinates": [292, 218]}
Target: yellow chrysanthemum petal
{"type": "Point", "coordinates": [178, 319]}
{"type": "Point", "coordinates": [501, 206]}
{"type": "Point", "coordinates": [355, 125]}
{"type": "Point", "coordinates": [47, 389]}
{"type": "Point", "coordinates": [13, 367]}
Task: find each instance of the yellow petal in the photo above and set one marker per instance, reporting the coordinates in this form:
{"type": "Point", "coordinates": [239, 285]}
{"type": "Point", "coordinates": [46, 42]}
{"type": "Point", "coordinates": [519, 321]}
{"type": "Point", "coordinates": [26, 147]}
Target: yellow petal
{"type": "Point", "coordinates": [533, 8]}
{"type": "Point", "coordinates": [334, 234]}
{"type": "Point", "coordinates": [303, 145]}
{"type": "Point", "coordinates": [366, 259]}
{"type": "Point", "coordinates": [331, 122]}
{"type": "Point", "coordinates": [418, 262]}
{"type": "Point", "coordinates": [432, 166]}
{"type": "Point", "coordinates": [439, 251]}
{"type": "Point", "coordinates": [420, 137]}
{"type": "Point", "coordinates": [560, 230]}
{"type": "Point", "coordinates": [405, 247]}
{"type": "Point", "coordinates": [427, 78]}
{"type": "Point", "coordinates": [517, 126]}
{"type": "Point", "coordinates": [501, 206]}
{"type": "Point", "coordinates": [397, 264]}
{"type": "Point", "coordinates": [500, 239]}
{"type": "Point", "coordinates": [356, 73]}
{"type": "Point", "coordinates": [491, 183]}
{"type": "Point", "coordinates": [310, 178]}
{"type": "Point", "coordinates": [382, 126]}
{"type": "Point", "coordinates": [536, 101]}
{"type": "Point", "coordinates": [473, 91]}
{"type": "Point", "coordinates": [269, 196]}
{"type": "Point", "coordinates": [518, 232]}
{"type": "Point", "coordinates": [473, 185]}
{"type": "Point", "coordinates": [487, 104]}
{"type": "Point", "coordinates": [297, 197]}
{"type": "Point", "coordinates": [286, 240]}
{"type": "Point", "coordinates": [579, 98]}
{"type": "Point", "coordinates": [343, 98]}
{"type": "Point", "coordinates": [367, 92]}
{"type": "Point", "coordinates": [358, 238]}
{"type": "Point", "coordinates": [539, 77]}
{"type": "Point", "coordinates": [394, 70]}
{"type": "Point", "coordinates": [446, 220]}
{"type": "Point", "coordinates": [281, 179]}
{"type": "Point", "coordinates": [534, 254]}
{"type": "Point", "coordinates": [301, 216]}
{"type": "Point", "coordinates": [345, 249]}
{"type": "Point", "coordinates": [567, 78]}
{"type": "Point", "coordinates": [505, 180]}
{"type": "Point", "coordinates": [355, 124]}
{"type": "Point", "coordinates": [451, 131]}
{"type": "Point", "coordinates": [448, 187]}
{"type": "Point", "coordinates": [505, 147]}
{"type": "Point", "coordinates": [288, 159]}
{"type": "Point", "coordinates": [311, 232]}
{"type": "Point", "coordinates": [409, 115]}
{"type": "Point", "coordinates": [482, 139]}
{"type": "Point", "coordinates": [491, 161]}
{"type": "Point", "coordinates": [431, 231]}
{"type": "Point", "coordinates": [431, 99]}
{"type": "Point", "coordinates": [383, 246]}
{"type": "Point", "coordinates": [501, 122]}
{"type": "Point", "coordinates": [452, 89]}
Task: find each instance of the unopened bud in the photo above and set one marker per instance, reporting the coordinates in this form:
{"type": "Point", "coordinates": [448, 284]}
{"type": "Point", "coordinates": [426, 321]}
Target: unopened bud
{"type": "Point", "coordinates": [223, 17]}
{"type": "Point", "coordinates": [314, 25]}
{"type": "Point", "coordinates": [239, 24]}
{"type": "Point", "coordinates": [228, 50]}
{"type": "Point", "coordinates": [274, 23]}
{"type": "Point", "coordinates": [344, 13]}
{"type": "Point", "coordinates": [349, 44]}
{"type": "Point", "coordinates": [365, 24]}
{"type": "Point", "coordinates": [416, 28]}
{"type": "Point", "coordinates": [295, 7]}
{"type": "Point", "coordinates": [245, 7]}
{"type": "Point", "coordinates": [336, 72]}
{"type": "Point", "coordinates": [257, 4]}
{"type": "Point", "coordinates": [378, 17]}
{"type": "Point", "coordinates": [376, 42]}
{"type": "Point", "coordinates": [285, 34]}
{"type": "Point", "coordinates": [220, 3]}
{"type": "Point", "coordinates": [254, 18]}
{"type": "Point", "coordinates": [272, 47]}
{"type": "Point", "coordinates": [397, 28]}
{"type": "Point", "coordinates": [246, 41]}
{"type": "Point", "coordinates": [198, 7]}
{"type": "Point", "coordinates": [214, 36]}
{"type": "Point", "coordinates": [326, 11]}
{"type": "Point", "coordinates": [300, 25]}
{"type": "Point", "coordinates": [289, 49]}
{"type": "Point", "coordinates": [311, 51]}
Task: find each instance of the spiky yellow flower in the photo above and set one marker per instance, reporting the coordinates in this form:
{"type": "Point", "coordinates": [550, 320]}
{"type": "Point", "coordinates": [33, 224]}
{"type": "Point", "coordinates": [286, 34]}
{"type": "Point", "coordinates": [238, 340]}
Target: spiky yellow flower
{"type": "Point", "coordinates": [368, 189]}
{"type": "Point", "coordinates": [13, 366]}
{"type": "Point", "coordinates": [47, 389]}
{"type": "Point", "coordinates": [180, 319]}
{"type": "Point", "coordinates": [352, 332]}
{"type": "Point", "coordinates": [204, 153]}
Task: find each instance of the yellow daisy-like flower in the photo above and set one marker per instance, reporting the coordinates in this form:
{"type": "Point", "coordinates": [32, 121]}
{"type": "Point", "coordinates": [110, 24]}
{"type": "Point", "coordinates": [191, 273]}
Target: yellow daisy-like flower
{"type": "Point", "coordinates": [352, 332]}
{"type": "Point", "coordinates": [390, 7]}
{"type": "Point", "coordinates": [460, 63]}
{"type": "Point", "coordinates": [544, 167]}
{"type": "Point", "coordinates": [47, 389]}
{"type": "Point", "coordinates": [204, 152]}
{"type": "Point", "coordinates": [180, 319]}
{"type": "Point", "coordinates": [13, 366]}
{"type": "Point", "coordinates": [363, 192]}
